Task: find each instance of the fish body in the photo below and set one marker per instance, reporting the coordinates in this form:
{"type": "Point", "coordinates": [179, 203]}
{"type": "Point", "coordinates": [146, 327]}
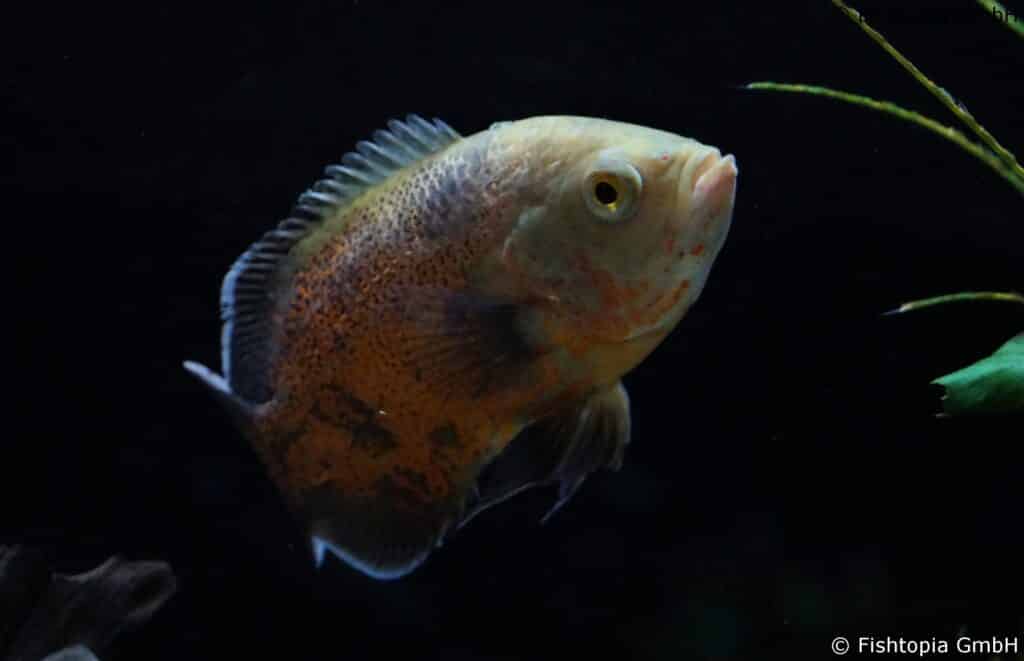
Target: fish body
{"type": "Point", "coordinates": [444, 321]}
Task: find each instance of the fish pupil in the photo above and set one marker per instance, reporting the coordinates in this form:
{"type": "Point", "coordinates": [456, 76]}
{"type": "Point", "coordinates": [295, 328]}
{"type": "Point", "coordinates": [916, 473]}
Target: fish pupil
{"type": "Point", "coordinates": [605, 193]}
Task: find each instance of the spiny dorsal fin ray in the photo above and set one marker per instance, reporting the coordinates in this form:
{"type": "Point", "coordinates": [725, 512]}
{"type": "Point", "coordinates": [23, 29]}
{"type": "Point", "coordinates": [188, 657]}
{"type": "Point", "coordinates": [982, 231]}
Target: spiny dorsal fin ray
{"type": "Point", "coordinates": [247, 294]}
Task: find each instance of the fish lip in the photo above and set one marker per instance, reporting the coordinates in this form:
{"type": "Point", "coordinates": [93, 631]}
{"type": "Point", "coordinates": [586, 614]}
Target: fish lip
{"type": "Point", "coordinates": [712, 162]}
{"type": "Point", "coordinates": [726, 162]}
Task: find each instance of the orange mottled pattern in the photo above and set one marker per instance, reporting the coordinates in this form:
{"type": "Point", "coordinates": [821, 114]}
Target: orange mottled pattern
{"type": "Point", "coordinates": [370, 400]}
{"type": "Point", "coordinates": [615, 295]}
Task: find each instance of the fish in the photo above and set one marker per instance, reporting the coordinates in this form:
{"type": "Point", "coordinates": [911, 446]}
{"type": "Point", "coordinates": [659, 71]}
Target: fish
{"type": "Point", "coordinates": [444, 321]}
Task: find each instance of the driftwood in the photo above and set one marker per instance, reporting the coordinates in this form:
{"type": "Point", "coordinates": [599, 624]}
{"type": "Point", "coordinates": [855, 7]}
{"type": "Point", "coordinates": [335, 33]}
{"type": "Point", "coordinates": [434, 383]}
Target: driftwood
{"type": "Point", "coordinates": [57, 617]}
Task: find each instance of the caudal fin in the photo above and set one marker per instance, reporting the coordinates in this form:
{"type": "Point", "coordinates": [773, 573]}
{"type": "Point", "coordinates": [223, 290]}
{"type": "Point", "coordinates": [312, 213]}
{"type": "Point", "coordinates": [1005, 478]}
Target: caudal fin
{"type": "Point", "coordinates": [240, 410]}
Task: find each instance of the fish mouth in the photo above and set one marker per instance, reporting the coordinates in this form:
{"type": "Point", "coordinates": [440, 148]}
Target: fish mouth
{"type": "Point", "coordinates": [709, 182]}
{"type": "Point", "coordinates": [713, 170]}
{"type": "Point", "coordinates": [714, 182]}
{"type": "Point", "coordinates": [709, 160]}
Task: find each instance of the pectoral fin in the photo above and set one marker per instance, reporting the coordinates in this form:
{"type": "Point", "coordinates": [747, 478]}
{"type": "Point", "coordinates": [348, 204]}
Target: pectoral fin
{"type": "Point", "coordinates": [563, 449]}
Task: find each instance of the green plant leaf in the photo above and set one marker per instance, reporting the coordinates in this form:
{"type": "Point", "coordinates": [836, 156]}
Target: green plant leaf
{"type": "Point", "coordinates": [992, 385]}
{"type": "Point", "coordinates": [1005, 297]}
{"type": "Point", "coordinates": [938, 92]}
{"type": "Point", "coordinates": [996, 383]}
{"type": "Point", "coordinates": [1005, 17]}
{"type": "Point", "coordinates": [1004, 170]}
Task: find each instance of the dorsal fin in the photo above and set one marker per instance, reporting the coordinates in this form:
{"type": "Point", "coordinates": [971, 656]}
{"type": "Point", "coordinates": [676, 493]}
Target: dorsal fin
{"type": "Point", "coordinates": [247, 293]}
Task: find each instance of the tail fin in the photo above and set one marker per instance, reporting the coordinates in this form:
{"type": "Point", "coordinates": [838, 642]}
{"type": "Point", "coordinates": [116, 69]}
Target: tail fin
{"type": "Point", "coordinates": [241, 411]}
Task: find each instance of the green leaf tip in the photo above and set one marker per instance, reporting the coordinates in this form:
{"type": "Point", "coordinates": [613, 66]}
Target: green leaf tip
{"type": "Point", "coordinates": [1005, 157]}
{"type": "Point", "coordinates": [991, 385]}
{"type": "Point", "coordinates": [1005, 297]}
{"type": "Point", "coordinates": [1007, 18]}
{"type": "Point", "coordinates": [914, 117]}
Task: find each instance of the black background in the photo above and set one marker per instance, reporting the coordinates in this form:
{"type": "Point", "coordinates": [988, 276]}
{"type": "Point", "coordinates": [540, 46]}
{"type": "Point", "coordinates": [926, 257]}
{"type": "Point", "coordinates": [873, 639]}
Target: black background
{"type": "Point", "coordinates": [788, 481]}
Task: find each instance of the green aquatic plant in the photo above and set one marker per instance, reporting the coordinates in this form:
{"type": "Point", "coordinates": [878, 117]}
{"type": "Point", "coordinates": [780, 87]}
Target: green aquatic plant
{"type": "Point", "coordinates": [999, 11]}
{"type": "Point", "coordinates": [994, 384]}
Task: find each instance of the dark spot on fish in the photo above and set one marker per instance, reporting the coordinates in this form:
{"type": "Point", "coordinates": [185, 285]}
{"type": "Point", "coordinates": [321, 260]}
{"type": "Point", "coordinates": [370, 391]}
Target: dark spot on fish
{"type": "Point", "coordinates": [339, 408]}
{"type": "Point", "coordinates": [415, 479]}
{"type": "Point", "coordinates": [339, 342]}
{"type": "Point", "coordinates": [374, 439]}
{"type": "Point", "coordinates": [446, 436]}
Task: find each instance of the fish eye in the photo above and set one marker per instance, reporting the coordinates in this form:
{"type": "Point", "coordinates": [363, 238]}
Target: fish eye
{"type": "Point", "coordinates": [611, 194]}
{"type": "Point", "coordinates": [606, 193]}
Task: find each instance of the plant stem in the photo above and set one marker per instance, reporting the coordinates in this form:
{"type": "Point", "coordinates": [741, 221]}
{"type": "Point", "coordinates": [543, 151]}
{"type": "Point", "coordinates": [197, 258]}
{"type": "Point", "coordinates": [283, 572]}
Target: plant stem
{"type": "Point", "coordinates": [1010, 297]}
{"type": "Point", "coordinates": [1015, 23]}
{"type": "Point", "coordinates": [941, 94]}
{"type": "Point", "coordinates": [947, 132]}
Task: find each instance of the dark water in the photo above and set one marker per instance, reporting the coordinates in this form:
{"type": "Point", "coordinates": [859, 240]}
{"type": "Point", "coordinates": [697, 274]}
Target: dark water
{"type": "Point", "coordinates": [788, 481]}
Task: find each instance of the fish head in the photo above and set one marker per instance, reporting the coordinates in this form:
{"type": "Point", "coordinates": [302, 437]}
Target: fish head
{"type": "Point", "coordinates": [625, 226]}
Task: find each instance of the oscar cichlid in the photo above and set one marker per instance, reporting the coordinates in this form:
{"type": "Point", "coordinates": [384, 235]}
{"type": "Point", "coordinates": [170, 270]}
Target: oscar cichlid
{"type": "Point", "coordinates": [444, 321]}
